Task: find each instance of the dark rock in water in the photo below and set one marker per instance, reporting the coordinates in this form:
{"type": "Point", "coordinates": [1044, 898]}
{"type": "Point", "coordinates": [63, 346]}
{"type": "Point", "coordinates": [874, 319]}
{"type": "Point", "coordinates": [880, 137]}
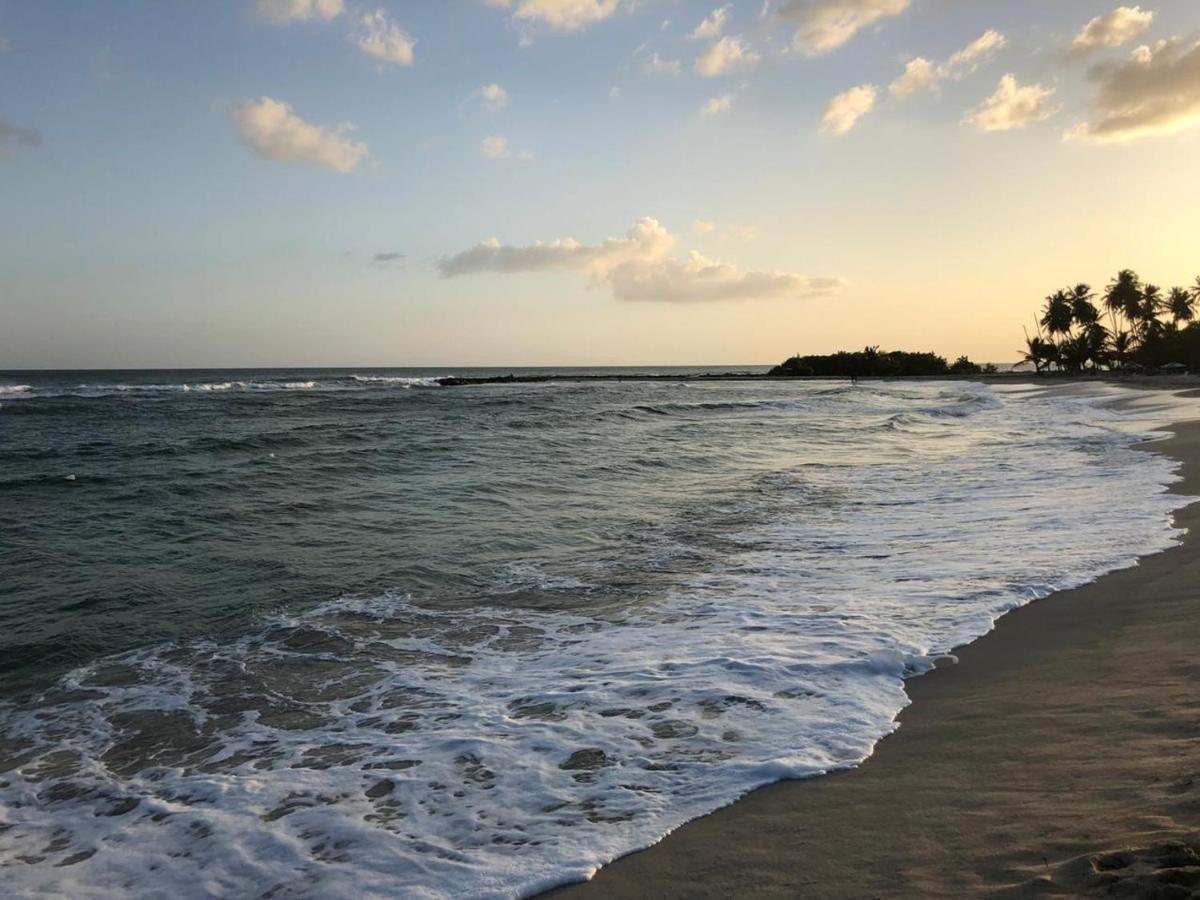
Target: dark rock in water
{"type": "Point", "coordinates": [586, 760]}
{"type": "Point", "coordinates": [673, 728]}
{"type": "Point", "coordinates": [121, 807]}
{"type": "Point", "coordinates": [380, 789]}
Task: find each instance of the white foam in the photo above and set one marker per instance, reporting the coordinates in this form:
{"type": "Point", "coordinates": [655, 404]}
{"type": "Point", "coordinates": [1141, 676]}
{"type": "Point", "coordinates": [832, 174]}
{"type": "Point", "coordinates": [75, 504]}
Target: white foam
{"type": "Point", "coordinates": [400, 381]}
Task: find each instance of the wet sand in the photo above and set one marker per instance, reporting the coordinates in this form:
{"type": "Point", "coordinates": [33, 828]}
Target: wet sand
{"type": "Point", "coordinates": [1059, 757]}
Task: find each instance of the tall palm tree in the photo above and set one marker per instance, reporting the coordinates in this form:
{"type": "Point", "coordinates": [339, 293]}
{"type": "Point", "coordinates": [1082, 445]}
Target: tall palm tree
{"type": "Point", "coordinates": [1181, 304]}
{"type": "Point", "coordinates": [1123, 297]}
{"type": "Point", "coordinates": [1095, 338]}
{"type": "Point", "coordinates": [1057, 315]}
{"type": "Point", "coordinates": [1148, 325]}
{"type": "Point", "coordinates": [1083, 310]}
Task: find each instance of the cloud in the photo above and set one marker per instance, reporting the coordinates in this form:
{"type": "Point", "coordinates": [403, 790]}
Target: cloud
{"type": "Point", "coordinates": [1013, 106]}
{"type": "Point", "coordinates": [1120, 26]}
{"type": "Point", "coordinates": [699, 278]}
{"type": "Point", "coordinates": [12, 136]}
{"type": "Point", "coordinates": [844, 110]}
{"type": "Point", "coordinates": [826, 25]}
{"type": "Point", "coordinates": [920, 74]}
{"type": "Point", "coordinates": [976, 53]}
{"type": "Point", "coordinates": [284, 12]}
{"type": "Point", "coordinates": [638, 266]}
{"type": "Point", "coordinates": [384, 40]}
{"type": "Point", "coordinates": [712, 26]}
{"type": "Point", "coordinates": [1155, 92]}
{"type": "Point", "coordinates": [717, 105]}
{"type": "Point", "coordinates": [493, 97]}
{"type": "Point", "coordinates": [701, 226]}
{"type": "Point", "coordinates": [384, 258]}
{"type": "Point", "coordinates": [495, 147]}
{"type": "Point", "coordinates": [656, 65]}
{"type": "Point", "coordinates": [272, 130]}
{"type": "Point", "coordinates": [560, 15]}
{"type": "Point", "coordinates": [729, 54]}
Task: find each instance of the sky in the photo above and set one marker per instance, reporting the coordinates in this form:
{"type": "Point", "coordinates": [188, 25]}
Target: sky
{"type": "Point", "coordinates": [579, 182]}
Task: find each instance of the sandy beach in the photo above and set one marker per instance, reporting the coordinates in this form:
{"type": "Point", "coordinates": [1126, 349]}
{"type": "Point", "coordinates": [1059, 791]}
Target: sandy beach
{"type": "Point", "coordinates": [1059, 757]}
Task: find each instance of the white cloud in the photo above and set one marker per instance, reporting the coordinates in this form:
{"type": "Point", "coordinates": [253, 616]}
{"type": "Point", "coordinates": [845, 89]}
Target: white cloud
{"type": "Point", "coordinates": [493, 97]}
{"type": "Point", "coordinates": [561, 15]}
{"type": "Point", "coordinates": [1118, 27]}
{"type": "Point", "coordinates": [702, 226]}
{"type": "Point", "coordinates": [977, 52]}
{"type": "Point", "coordinates": [844, 110]}
{"type": "Point", "coordinates": [712, 26]}
{"type": "Point", "coordinates": [921, 74]}
{"type": "Point", "coordinates": [1155, 92]}
{"type": "Point", "coordinates": [656, 65]}
{"type": "Point", "coordinates": [495, 147]}
{"type": "Point", "coordinates": [274, 131]}
{"type": "Point", "coordinates": [717, 105]}
{"type": "Point", "coordinates": [384, 40]}
{"type": "Point", "coordinates": [14, 136]}
{"type": "Point", "coordinates": [699, 278]}
{"type": "Point", "coordinates": [828, 24]}
{"type": "Point", "coordinates": [1013, 106]}
{"type": "Point", "coordinates": [638, 266]}
{"type": "Point", "coordinates": [729, 54]}
{"type": "Point", "coordinates": [284, 12]}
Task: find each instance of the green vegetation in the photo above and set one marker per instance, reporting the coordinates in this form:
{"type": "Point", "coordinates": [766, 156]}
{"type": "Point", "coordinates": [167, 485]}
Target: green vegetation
{"type": "Point", "coordinates": [1138, 329]}
{"type": "Point", "coordinates": [874, 363]}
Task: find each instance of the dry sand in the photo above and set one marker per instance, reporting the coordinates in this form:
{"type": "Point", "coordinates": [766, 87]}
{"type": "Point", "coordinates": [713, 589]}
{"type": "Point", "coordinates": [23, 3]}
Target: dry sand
{"type": "Point", "coordinates": [1060, 757]}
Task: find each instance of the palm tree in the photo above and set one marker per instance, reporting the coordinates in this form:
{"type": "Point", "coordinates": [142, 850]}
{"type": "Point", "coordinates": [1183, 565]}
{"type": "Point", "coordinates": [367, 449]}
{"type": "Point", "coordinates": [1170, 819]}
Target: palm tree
{"type": "Point", "coordinates": [1181, 304]}
{"type": "Point", "coordinates": [1196, 290]}
{"type": "Point", "coordinates": [1057, 316]}
{"type": "Point", "coordinates": [1039, 352]}
{"type": "Point", "coordinates": [1120, 344]}
{"type": "Point", "coordinates": [1095, 337]}
{"type": "Point", "coordinates": [1076, 352]}
{"type": "Point", "coordinates": [1083, 310]}
{"type": "Point", "coordinates": [1148, 325]}
{"type": "Point", "coordinates": [1123, 297]}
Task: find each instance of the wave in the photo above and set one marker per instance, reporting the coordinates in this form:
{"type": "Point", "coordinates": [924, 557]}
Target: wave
{"type": "Point", "coordinates": [400, 381]}
{"type": "Point", "coordinates": [135, 389]}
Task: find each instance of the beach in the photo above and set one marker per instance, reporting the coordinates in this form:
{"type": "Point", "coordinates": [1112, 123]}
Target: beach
{"type": "Point", "coordinates": [1060, 756]}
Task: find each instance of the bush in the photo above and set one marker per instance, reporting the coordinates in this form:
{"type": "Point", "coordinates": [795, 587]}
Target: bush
{"type": "Point", "coordinates": [963, 366]}
{"type": "Point", "coordinates": [870, 362]}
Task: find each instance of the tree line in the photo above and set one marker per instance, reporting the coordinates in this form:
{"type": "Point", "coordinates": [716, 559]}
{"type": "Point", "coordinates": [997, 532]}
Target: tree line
{"type": "Point", "coordinates": [1133, 326]}
{"type": "Point", "coordinates": [875, 363]}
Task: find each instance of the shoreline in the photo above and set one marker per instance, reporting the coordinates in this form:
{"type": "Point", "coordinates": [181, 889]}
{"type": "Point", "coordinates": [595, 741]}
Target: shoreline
{"type": "Point", "coordinates": [1060, 756]}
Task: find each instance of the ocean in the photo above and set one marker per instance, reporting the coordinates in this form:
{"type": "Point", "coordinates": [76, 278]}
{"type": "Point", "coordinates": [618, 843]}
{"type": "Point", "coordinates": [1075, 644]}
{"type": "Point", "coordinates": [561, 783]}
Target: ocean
{"type": "Point", "coordinates": [347, 633]}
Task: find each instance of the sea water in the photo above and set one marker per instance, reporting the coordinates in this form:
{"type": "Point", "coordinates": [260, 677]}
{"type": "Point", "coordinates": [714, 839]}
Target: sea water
{"type": "Point", "coordinates": [348, 633]}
